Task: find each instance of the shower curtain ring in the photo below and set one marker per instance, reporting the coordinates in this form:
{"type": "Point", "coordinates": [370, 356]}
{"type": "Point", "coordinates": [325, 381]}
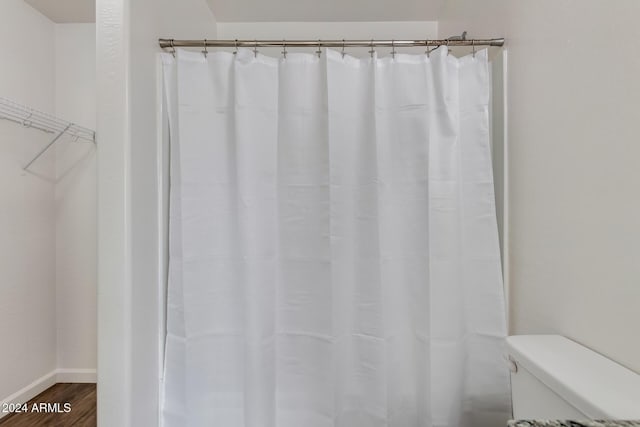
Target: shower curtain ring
{"type": "Point", "coordinates": [393, 49]}
{"type": "Point", "coordinates": [343, 48]}
{"type": "Point", "coordinates": [284, 49]}
{"type": "Point", "coordinates": [235, 52]}
{"type": "Point", "coordinates": [205, 52]}
{"type": "Point", "coordinates": [255, 49]}
{"type": "Point", "coordinates": [372, 51]}
{"type": "Point", "coordinates": [173, 48]}
{"type": "Point", "coordinates": [319, 51]}
{"type": "Point", "coordinates": [473, 46]}
{"type": "Point", "coordinates": [448, 49]}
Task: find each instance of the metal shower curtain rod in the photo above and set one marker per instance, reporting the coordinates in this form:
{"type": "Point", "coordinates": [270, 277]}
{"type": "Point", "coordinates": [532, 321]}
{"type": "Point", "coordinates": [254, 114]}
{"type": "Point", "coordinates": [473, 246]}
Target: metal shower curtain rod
{"type": "Point", "coordinates": [452, 42]}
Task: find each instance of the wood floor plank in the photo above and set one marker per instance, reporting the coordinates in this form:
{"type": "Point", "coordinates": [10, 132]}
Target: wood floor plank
{"type": "Point", "coordinates": [81, 397]}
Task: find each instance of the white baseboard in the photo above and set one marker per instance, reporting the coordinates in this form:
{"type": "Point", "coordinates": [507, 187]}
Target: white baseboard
{"type": "Point", "coordinates": [48, 380]}
{"type": "Point", "coordinates": [76, 376]}
{"type": "Point", "coordinates": [32, 390]}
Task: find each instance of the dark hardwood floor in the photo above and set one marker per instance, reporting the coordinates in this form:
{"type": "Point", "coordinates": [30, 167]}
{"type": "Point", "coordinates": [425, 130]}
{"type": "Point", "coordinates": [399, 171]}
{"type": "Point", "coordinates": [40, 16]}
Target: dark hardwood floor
{"type": "Point", "coordinates": [81, 411]}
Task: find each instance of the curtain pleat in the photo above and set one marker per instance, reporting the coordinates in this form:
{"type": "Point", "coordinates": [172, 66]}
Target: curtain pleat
{"type": "Point", "coordinates": [334, 257]}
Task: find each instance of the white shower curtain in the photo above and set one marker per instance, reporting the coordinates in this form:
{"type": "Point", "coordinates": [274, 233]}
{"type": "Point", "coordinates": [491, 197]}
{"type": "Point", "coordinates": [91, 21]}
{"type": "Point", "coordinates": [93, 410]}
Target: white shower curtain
{"type": "Point", "coordinates": [334, 256]}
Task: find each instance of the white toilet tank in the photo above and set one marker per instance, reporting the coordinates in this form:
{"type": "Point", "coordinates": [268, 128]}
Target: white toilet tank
{"type": "Point", "coordinates": [555, 378]}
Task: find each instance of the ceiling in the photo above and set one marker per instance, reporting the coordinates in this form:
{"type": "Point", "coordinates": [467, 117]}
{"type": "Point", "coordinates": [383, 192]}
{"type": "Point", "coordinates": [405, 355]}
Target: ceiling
{"type": "Point", "coordinates": [66, 11]}
{"type": "Point", "coordinates": [325, 10]}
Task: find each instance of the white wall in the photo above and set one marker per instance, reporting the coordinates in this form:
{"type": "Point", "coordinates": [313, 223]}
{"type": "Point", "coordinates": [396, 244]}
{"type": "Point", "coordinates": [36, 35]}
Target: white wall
{"type": "Point", "coordinates": [573, 132]}
{"type": "Point", "coordinates": [129, 271]}
{"type": "Point", "coordinates": [47, 215]}
{"type": "Point", "coordinates": [27, 228]}
{"type": "Point", "coordinates": [76, 216]}
{"type": "Point", "coordinates": [330, 31]}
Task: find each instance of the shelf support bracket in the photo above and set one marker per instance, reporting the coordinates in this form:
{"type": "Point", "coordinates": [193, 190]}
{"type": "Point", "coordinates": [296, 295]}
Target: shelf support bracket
{"type": "Point", "coordinates": [53, 141]}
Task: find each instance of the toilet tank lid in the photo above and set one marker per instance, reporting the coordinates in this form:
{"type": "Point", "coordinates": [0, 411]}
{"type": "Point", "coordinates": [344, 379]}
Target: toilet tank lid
{"type": "Point", "coordinates": [598, 387]}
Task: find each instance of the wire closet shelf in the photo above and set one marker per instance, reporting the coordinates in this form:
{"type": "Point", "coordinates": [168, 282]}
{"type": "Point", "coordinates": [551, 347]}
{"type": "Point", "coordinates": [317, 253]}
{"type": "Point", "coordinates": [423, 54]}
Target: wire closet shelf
{"type": "Point", "coordinates": [35, 119]}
